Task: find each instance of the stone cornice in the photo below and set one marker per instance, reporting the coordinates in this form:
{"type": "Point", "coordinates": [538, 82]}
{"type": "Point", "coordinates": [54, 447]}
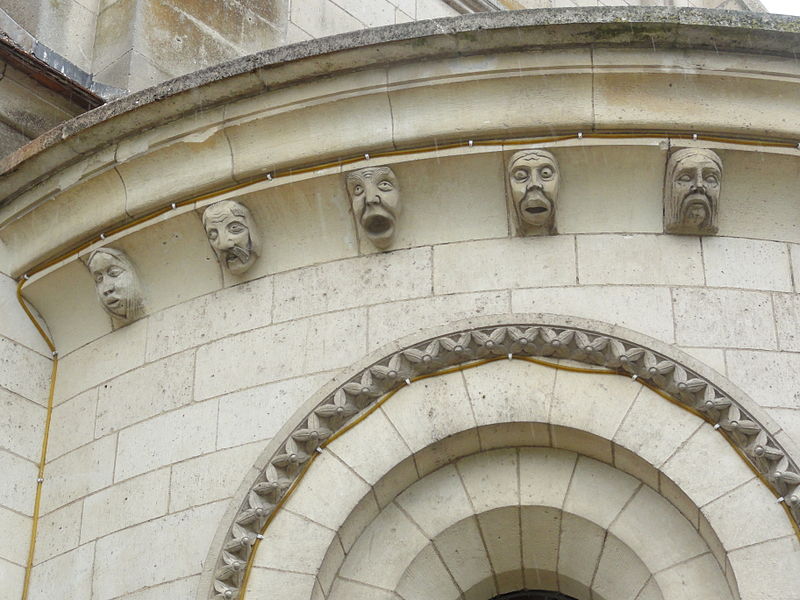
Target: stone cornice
{"type": "Point", "coordinates": [689, 387]}
{"type": "Point", "coordinates": [469, 34]}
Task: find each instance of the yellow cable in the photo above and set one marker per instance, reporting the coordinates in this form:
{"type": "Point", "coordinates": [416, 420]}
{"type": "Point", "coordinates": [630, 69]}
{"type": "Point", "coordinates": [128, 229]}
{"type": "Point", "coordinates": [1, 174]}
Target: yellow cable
{"type": "Point", "coordinates": [743, 141]}
{"type": "Point", "coordinates": [385, 398]}
{"type": "Point", "coordinates": [45, 438]}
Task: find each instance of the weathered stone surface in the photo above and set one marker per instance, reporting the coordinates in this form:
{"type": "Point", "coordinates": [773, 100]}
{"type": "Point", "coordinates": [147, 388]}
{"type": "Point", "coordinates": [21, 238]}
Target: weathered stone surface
{"type": "Point", "coordinates": [16, 528]}
{"type": "Point", "coordinates": [72, 571]}
{"type": "Point", "coordinates": [21, 425]}
{"type": "Point", "coordinates": [58, 531]}
{"type": "Point", "coordinates": [72, 424]}
{"type": "Point", "coordinates": [750, 264]}
{"type": "Point", "coordinates": [26, 373]}
{"type": "Point", "coordinates": [20, 487]}
{"type": "Point", "coordinates": [773, 378]}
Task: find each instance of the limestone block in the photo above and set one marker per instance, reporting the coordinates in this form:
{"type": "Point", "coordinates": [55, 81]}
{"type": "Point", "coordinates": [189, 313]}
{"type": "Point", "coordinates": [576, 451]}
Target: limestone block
{"type": "Point", "coordinates": [68, 300]}
{"type": "Point", "coordinates": [350, 283]}
{"type": "Point", "coordinates": [648, 260]}
{"type": "Point", "coordinates": [509, 392]}
{"type": "Point", "coordinates": [407, 6]}
{"type": "Point", "coordinates": [710, 357]}
{"type": "Point", "coordinates": [432, 9]}
{"type": "Point", "coordinates": [775, 561]}
{"type": "Point", "coordinates": [680, 500]}
{"type": "Point", "coordinates": [64, 218]}
{"type": "Point", "coordinates": [651, 591]}
{"type": "Point", "coordinates": [72, 571]}
{"type": "Point", "coordinates": [772, 378]}
{"type": "Point", "coordinates": [322, 17]}
{"type": "Point", "coordinates": [19, 488]}
{"type": "Point", "coordinates": [279, 352]}
{"type": "Point", "coordinates": [644, 309]}
{"type": "Point", "coordinates": [598, 492]}
{"type": "Point", "coordinates": [394, 320]}
{"type": "Point", "coordinates": [15, 324]}
{"type": "Point", "coordinates": [490, 479]}
{"type": "Point", "coordinates": [708, 317]}
{"type": "Point", "coordinates": [72, 424]}
{"type": "Point", "coordinates": [12, 577]}
{"type": "Point", "coordinates": [344, 589]}
{"type": "Point", "coordinates": [578, 553]}
{"type": "Point", "coordinates": [544, 476]}
{"type": "Point", "coordinates": [445, 402]}
{"type": "Point", "coordinates": [16, 530]}
{"type": "Point", "coordinates": [620, 573]}
{"type": "Point", "coordinates": [128, 503]}
{"type": "Point", "coordinates": [373, 14]}
{"type": "Point", "coordinates": [101, 360]}
{"type": "Point", "coordinates": [788, 419]}
{"type": "Point", "coordinates": [183, 588]}
{"type": "Point", "coordinates": [387, 464]}
{"type": "Point", "coordinates": [33, 109]}
{"type": "Point", "coordinates": [436, 501]}
{"type": "Point", "coordinates": [79, 473]}
{"type": "Point", "coordinates": [312, 134]}
{"type": "Point", "coordinates": [359, 518]}
{"type": "Point", "coordinates": [540, 527]}
{"type": "Point", "coordinates": [25, 372]}
{"type": "Point", "coordinates": [381, 553]}
{"type": "Point", "coordinates": [751, 264]}
{"type": "Point", "coordinates": [293, 586]}
{"type": "Point", "coordinates": [435, 190]}
{"type": "Point", "coordinates": [160, 252]}
{"type": "Point", "coordinates": [762, 207]}
{"type": "Point", "coordinates": [308, 213]}
{"type": "Point", "coordinates": [592, 403]}
{"type": "Point", "coordinates": [703, 576]}
{"type": "Point", "coordinates": [169, 438]}
{"type": "Point", "coordinates": [609, 190]}
{"type": "Point", "coordinates": [504, 263]}
{"type": "Point", "coordinates": [501, 529]}
{"type": "Point", "coordinates": [705, 468]}
{"type": "Point", "coordinates": [463, 552]}
{"type": "Point", "coordinates": [210, 317]}
{"type": "Point", "coordinates": [787, 320]}
{"type": "Point", "coordinates": [148, 189]}
{"type": "Point", "coordinates": [211, 477]}
{"type": "Point", "coordinates": [654, 428]}
{"type": "Point", "coordinates": [649, 516]}
{"type": "Point", "coordinates": [446, 450]}
{"type": "Point", "coordinates": [21, 425]}
{"type": "Point", "coordinates": [150, 390]}
{"type": "Point", "coordinates": [328, 477]}
{"type": "Point", "coordinates": [733, 519]}
{"type": "Point", "coordinates": [258, 413]}
{"type": "Point", "coordinates": [455, 107]}
{"type": "Point", "coordinates": [123, 567]}
{"type": "Point", "coordinates": [281, 550]}
{"type": "Point", "coordinates": [58, 532]}
{"type": "Point", "coordinates": [427, 577]}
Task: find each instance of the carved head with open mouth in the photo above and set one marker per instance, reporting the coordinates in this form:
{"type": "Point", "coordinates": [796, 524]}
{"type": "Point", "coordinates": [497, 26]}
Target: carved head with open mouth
{"type": "Point", "coordinates": [534, 180]}
{"type": "Point", "coordinates": [232, 233]}
{"type": "Point", "coordinates": [375, 195]}
{"type": "Point", "coordinates": [692, 192]}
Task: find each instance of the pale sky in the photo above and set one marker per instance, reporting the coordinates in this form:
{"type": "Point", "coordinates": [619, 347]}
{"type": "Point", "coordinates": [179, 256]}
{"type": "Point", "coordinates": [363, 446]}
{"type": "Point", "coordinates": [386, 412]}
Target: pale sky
{"type": "Point", "coordinates": [784, 7]}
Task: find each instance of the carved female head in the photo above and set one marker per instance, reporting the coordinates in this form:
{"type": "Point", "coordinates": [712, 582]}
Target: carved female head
{"type": "Point", "coordinates": [375, 195]}
{"type": "Point", "coordinates": [534, 179]}
{"type": "Point", "coordinates": [692, 191]}
{"type": "Point", "coordinates": [117, 283]}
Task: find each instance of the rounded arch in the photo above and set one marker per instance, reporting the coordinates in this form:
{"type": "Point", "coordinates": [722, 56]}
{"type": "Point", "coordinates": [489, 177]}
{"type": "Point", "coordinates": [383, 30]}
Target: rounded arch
{"type": "Point", "coordinates": [663, 369]}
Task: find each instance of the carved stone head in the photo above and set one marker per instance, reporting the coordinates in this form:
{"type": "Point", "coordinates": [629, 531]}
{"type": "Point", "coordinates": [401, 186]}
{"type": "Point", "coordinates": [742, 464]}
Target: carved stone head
{"type": "Point", "coordinates": [375, 195]}
{"type": "Point", "coordinates": [117, 283]}
{"type": "Point", "coordinates": [233, 235]}
{"type": "Point", "coordinates": [534, 180]}
{"type": "Point", "coordinates": [692, 191]}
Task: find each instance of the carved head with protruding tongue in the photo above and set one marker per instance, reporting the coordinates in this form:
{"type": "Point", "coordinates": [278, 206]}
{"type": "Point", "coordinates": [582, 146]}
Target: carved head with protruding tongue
{"type": "Point", "coordinates": [534, 179]}
{"type": "Point", "coordinates": [375, 195]}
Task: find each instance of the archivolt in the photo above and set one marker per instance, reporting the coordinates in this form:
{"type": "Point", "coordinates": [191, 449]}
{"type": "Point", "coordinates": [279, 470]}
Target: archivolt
{"type": "Point", "coordinates": [550, 337]}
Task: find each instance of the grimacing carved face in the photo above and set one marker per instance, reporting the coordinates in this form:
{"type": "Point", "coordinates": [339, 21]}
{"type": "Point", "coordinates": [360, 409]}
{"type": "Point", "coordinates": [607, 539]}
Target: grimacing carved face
{"type": "Point", "coordinates": [534, 179]}
{"type": "Point", "coordinates": [375, 195]}
{"type": "Point", "coordinates": [116, 283]}
{"type": "Point", "coordinates": [696, 183]}
{"type": "Point", "coordinates": [230, 231]}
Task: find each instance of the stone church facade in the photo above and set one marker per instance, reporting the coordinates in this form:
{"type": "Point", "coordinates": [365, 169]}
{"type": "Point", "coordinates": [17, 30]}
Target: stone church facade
{"type": "Point", "coordinates": [498, 301]}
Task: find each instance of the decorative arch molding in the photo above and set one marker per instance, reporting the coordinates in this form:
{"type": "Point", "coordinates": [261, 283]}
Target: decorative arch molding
{"type": "Point", "coordinates": [336, 407]}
